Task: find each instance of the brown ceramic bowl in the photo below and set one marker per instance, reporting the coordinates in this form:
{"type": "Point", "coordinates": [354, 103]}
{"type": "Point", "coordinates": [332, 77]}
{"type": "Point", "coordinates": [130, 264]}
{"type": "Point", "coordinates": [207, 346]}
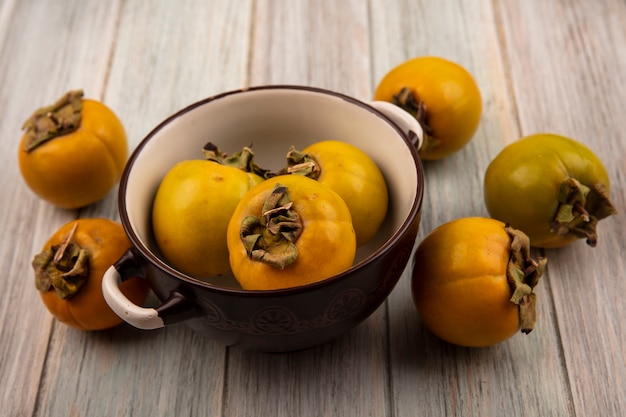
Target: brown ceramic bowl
{"type": "Point", "coordinates": [273, 118]}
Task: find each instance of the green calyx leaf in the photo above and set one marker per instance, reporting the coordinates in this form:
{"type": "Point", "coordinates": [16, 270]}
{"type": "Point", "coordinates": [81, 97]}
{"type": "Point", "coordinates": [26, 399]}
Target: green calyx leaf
{"type": "Point", "coordinates": [63, 268]}
{"type": "Point", "coordinates": [523, 274]}
{"type": "Point", "coordinates": [271, 237]}
{"type": "Point", "coordinates": [47, 123]}
{"type": "Point", "coordinates": [580, 209]}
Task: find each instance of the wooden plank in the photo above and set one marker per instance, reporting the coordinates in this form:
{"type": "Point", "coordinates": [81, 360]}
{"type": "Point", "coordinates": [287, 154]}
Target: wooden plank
{"type": "Point", "coordinates": [128, 372]}
{"type": "Point", "coordinates": [7, 8]}
{"type": "Point", "coordinates": [165, 55]}
{"type": "Point", "coordinates": [522, 376]}
{"type": "Point", "coordinates": [39, 61]}
{"type": "Point", "coordinates": [568, 79]}
{"type": "Point", "coordinates": [321, 44]}
{"type": "Point", "coordinates": [343, 377]}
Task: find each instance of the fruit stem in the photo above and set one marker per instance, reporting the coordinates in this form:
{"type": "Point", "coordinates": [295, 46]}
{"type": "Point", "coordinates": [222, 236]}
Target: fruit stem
{"type": "Point", "coordinates": [271, 237]}
{"type": "Point", "coordinates": [407, 101]}
{"type": "Point", "coordinates": [523, 274]}
{"type": "Point", "coordinates": [63, 267]}
{"type": "Point", "coordinates": [58, 119]}
{"type": "Point", "coordinates": [580, 209]}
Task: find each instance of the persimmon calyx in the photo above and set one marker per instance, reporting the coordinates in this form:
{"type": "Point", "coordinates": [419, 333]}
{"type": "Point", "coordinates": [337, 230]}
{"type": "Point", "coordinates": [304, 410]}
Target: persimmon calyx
{"type": "Point", "coordinates": [58, 119]}
{"type": "Point", "coordinates": [580, 209]}
{"type": "Point", "coordinates": [407, 101]}
{"type": "Point", "coordinates": [523, 274]}
{"type": "Point", "coordinates": [304, 164]}
{"type": "Point", "coordinates": [63, 268]}
{"type": "Point", "coordinates": [243, 160]}
{"type": "Point", "coordinates": [271, 237]}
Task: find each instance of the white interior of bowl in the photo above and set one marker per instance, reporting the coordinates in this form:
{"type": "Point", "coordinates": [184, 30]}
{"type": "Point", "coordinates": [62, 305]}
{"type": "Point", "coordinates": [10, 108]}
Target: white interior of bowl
{"type": "Point", "coordinates": [271, 120]}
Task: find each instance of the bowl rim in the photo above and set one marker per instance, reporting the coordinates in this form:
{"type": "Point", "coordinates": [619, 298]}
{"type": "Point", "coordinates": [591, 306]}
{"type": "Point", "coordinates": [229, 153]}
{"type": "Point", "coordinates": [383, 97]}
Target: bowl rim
{"type": "Point", "coordinates": [386, 247]}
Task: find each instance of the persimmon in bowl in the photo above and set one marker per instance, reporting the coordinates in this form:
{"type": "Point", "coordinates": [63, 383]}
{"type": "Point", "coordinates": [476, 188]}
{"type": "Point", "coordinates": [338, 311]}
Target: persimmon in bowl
{"type": "Point", "coordinates": [272, 119]}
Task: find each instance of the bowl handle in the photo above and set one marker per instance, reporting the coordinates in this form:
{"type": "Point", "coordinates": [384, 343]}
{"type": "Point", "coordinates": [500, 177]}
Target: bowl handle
{"type": "Point", "coordinates": [176, 308]}
{"type": "Point", "coordinates": [405, 121]}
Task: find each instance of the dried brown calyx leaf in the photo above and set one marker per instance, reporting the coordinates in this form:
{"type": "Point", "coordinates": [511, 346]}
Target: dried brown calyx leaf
{"type": "Point", "coordinates": [271, 237]}
{"type": "Point", "coordinates": [301, 163]}
{"type": "Point", "coordinates": [243, 160]}
{"type": "Point", "coordinates": [580, 209]}
{"type": "Point", "coordinates": [58, 119]}
{"type": "Point", "coordinates": [523, 274]}
{"type": "Point", "coordinates": [407, 101]}
{"type": "Point", "coordinates": [63, 268]}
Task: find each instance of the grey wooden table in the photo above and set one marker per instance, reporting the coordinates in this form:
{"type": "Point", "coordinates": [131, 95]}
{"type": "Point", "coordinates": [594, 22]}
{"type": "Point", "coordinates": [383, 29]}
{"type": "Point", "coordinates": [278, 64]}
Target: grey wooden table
{"type": "Point", "coordinates": [542, 65]}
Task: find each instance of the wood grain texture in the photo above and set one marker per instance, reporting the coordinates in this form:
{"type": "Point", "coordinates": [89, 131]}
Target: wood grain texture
{"type": "Point", "coordinates": [41, 58]}
{"type": "Point", "coordinates": [568, 79]}
{"type": "Point", "coordinates": [541, 66]}
{"type": "Point", "coordinates": [322, 44]}
{"type": "Point", "coordinates": [469, 382]}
